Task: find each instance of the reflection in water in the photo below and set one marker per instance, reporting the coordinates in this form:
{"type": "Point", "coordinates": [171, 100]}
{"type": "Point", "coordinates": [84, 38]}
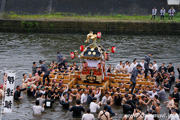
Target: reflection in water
{"type": "Point", "coordinates": [18, 51]}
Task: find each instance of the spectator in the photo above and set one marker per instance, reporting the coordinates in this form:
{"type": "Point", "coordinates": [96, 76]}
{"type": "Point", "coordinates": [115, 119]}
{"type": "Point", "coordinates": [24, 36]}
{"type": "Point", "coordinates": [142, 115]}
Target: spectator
{"type": "Point", "coordinates": [162, 12]}
{"type": "Point", "coordinates": [154, 12]}
{"type": "Point", "coordinates": [171, 13]}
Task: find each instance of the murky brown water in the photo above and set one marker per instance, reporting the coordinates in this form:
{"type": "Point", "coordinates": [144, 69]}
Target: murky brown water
{"type": "Point", "coordinates": [18, 51]}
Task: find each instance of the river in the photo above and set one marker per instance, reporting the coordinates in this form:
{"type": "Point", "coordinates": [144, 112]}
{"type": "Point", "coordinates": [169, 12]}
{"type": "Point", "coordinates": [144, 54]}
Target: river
{"type": "Point", "coordinates": [18, 51]}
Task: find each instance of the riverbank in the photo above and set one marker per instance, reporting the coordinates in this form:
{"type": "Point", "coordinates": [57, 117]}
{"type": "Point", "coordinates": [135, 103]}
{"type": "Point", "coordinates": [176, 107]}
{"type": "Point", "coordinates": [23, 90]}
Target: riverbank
{"type": "Point", "coordinates": [89, 17]}
{"type": "Point", "coordinates": [117, 24]}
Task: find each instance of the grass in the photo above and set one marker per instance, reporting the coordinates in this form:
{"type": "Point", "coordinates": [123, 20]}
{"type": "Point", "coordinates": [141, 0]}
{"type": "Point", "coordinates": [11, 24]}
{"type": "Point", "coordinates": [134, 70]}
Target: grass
{"type": "Point", "coordinates": [89, 17]}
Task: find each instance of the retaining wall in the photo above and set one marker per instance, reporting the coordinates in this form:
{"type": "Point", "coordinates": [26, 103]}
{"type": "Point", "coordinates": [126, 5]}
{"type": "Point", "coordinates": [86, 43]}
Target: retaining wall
{"type": "Point", "coordinates": [139, 28]}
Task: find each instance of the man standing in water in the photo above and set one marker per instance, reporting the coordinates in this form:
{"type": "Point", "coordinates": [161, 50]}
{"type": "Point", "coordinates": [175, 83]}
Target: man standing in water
{"type": "Point", "coordinates": [17, 94]}
{"type": "Point", "coordinates": [146, 65]}
{"type": "Point", "coordinates": [38, 109]}
{"type": "Point", "coordinates": [77, 109]}
{"type": "Point", "coordinates": [34, 68]}
{"type": "Point", "coordinates": [45, 70]}
{"type": "Point", "coordinates": [133, 77]}
{"type": "Point", "coordinates": [59, 57]}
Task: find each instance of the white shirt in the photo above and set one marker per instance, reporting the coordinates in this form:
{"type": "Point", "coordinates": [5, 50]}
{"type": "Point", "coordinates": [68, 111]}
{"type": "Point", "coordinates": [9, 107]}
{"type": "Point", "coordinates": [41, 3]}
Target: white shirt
{"type": "Point", "coordinates": [174, 117]}
{"type": "Point", "coordinates": [62, 98]}
{"type": "Point", "coordinates": [154, 11]}
{"type": "Point", "coordinates": [126, 65]}
{"type": "Point", "coordinates": [98, 96]}
{"type": "Point", "coordinates": [43, 92]}
{"type": "Point", "coordinates": [118, 66]}
{"type": "Point", "coordinates": [162, 11]}
{"type": "Point", "coordinates": [37, 109]}
{"type": "Point", "coordinates": [149, 117]}
{"type": "Point", "coordinates": [142, 64]}
{"type": "Point", "coordinates": [104, 100]}
{"type": "Point", "coordinates": [156, 66]}
{"type": "Point", "coordinates": [151, 67]}
{"type": "Point", "coordinates": [152, 94]}
{"type": "Point", "coordinates": [41, 101]}
{"type": "Point", "coordinates": [88, 117]}
{"type": "Point", "coordinates": [128, 69]}
{"type": "Point", "coordinates": [171, 12]}
{"type": "Point", "coordinates": [93, 107]}
{"type": "Point", "coordinates": [133, 66]}
{"type": "Point", "coordinates": [84, 98]}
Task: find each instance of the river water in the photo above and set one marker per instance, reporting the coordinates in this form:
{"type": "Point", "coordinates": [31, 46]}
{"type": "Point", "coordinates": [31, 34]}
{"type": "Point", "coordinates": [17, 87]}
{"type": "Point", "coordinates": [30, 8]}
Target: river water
{"type": "Point", "coordinates": [18, 51]}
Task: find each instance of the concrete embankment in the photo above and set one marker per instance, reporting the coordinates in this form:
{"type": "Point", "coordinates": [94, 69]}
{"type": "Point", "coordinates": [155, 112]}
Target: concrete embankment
{"type": "Point", "coordinates": [106, 27]}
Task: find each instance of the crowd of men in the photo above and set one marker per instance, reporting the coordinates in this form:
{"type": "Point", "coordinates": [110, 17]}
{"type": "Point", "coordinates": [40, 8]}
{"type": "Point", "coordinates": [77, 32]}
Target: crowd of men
{"type": "Point", "coordinates": [151, 98]}
{"type": "Point", "coordinates": [171, 13]}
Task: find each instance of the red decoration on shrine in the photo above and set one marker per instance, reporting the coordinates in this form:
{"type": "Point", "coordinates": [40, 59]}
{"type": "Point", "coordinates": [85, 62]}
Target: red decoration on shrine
{"type": "Point", "coordinates": [107, 56]}
{"type": "Point", "coordinates": [81, 48]}
{"type": "Point", "coordinates": [113, 49]}
{"type": "Point", "coordinates": [98, 35]}
{"type": "Point", "coordinates": [85, 65]}
{"type": "Point", "coordinates": [99, 65]}
{"type": "Point", "coordinates": [72, 55]}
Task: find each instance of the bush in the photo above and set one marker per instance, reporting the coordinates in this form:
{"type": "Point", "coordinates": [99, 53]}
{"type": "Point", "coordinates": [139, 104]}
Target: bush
{"type": "Point", "coordinates": [177, 15]}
